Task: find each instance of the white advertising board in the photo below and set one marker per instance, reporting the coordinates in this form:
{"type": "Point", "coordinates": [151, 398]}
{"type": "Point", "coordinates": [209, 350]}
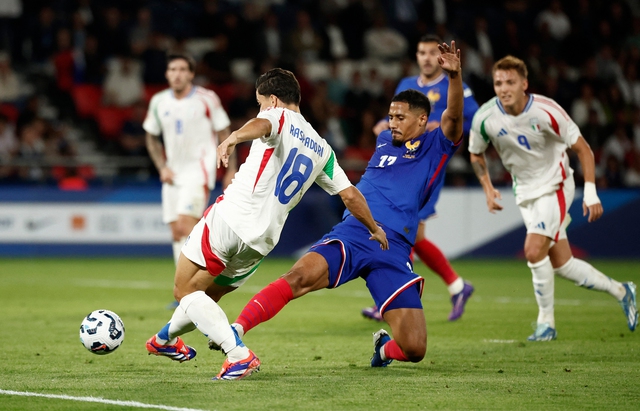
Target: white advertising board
{"type": "Point", "coordinates": [82, 223]}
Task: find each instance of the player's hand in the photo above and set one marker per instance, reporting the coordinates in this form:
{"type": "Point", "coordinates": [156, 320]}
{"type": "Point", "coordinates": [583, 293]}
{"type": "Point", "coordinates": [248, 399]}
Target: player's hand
{"type": "Point", "coordinates": [492, 204]}
{"type": "Point", "coordinates": [432, 125]}
{"type": "Point", "coordinates": [595, 211]}
{"type": "Point", "coordinates": [225, 149]}
{"type": "Point", "coordinates": [166, 175]}
{"type": "Point", "coordinates": [380, 236]}
{"type": "Point", "coordinates": [380, 126]}
{"type": "Point", "coordinates": [449, 58]}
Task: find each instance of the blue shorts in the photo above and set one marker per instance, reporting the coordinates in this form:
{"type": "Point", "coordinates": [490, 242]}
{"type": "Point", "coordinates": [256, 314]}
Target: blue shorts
{"type": "Point", "coordinates": [389, 274]}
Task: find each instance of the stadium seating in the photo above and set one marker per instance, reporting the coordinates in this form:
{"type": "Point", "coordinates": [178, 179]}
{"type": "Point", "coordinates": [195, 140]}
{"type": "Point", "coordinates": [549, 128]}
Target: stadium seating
{"type": "Point", "coordinates": [111, 119]}
{"type": "Point", "coordinates": [87, 98]}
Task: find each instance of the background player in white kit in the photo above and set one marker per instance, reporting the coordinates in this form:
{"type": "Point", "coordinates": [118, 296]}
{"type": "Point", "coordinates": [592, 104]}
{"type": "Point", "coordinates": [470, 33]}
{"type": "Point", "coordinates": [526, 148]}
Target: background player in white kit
{"type": "Point", "coordinates": [191, 121]}
{"type": "Point", "coordinates": [531, 133]}
{"type": "Point", "coordinates": [224, 249]}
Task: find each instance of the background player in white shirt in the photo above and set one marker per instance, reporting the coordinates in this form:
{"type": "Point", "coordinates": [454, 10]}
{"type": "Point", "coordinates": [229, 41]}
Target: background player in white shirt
{"type": "Point", "coordinates": [531, 133]}
{"type": "Point", "coordinates": [191, 121]}
{"type": "Point", "coordinates": [226, 246]}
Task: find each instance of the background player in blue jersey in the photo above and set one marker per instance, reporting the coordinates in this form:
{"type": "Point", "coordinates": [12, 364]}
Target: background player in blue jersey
{"type": "Point", "coordinates": [434, 82]}
{"type": "Point", "coordinates": [400, 178]}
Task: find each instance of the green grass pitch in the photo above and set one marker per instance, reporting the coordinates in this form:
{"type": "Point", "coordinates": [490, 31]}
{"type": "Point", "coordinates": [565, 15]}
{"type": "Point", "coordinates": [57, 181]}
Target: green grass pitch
{"type": "Point", "coordinates": [315, 353]}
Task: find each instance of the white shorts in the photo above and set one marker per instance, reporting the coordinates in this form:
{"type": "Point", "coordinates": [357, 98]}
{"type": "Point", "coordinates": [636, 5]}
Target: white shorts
{"type": "Point", "coordinates": [188, 200]}
{"type": "Point", "coordinates": [222, 252]}
{"type": "Point", "coordinates": [549, 215]}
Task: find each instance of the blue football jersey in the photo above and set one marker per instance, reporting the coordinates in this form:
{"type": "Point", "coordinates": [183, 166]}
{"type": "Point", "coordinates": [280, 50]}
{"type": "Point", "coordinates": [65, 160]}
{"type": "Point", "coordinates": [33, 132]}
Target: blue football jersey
{"type": "Point", "coordinates": [399, 181]}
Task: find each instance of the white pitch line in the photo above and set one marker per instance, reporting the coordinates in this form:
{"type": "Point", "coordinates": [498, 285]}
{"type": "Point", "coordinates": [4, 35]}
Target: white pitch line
{"type": "Point", "coordinates": [99, 400]}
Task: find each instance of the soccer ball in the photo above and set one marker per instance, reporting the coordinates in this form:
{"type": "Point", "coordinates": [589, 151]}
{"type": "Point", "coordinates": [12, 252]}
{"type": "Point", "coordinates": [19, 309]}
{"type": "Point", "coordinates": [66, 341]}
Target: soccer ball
{"type": "Point", "coordinates": [102, 332]}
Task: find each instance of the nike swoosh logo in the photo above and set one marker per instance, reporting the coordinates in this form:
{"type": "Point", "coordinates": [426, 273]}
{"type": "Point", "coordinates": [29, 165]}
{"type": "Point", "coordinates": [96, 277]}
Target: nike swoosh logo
{"type": "Point", "coordinates": [382, 145]}
{"type": "Point", "coordinates": [35, 225]}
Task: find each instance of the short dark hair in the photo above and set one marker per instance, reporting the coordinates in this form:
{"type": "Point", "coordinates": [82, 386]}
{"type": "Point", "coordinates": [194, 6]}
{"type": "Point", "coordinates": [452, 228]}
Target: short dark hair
{"type": "Point", "coordinates": [183, 56]}
{"type": "Point", "coordinates": [430, 38]}
{"type": "Point", "coordinates": [281, 83]}
{"type": "Point", "coordinates": [415, 99]}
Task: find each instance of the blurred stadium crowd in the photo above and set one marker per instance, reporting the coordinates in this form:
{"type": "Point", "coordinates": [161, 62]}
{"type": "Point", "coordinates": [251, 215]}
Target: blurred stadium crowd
{"type": "Point", "coordinates": [76, 75]}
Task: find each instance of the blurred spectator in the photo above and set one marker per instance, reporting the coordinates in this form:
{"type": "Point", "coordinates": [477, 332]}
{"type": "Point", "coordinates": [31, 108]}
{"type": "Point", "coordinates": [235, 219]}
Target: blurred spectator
{"type": "Point", "coordinates": [584, 104]}
{"type": "Point", "coordinates": [132, 140]}
{"type": "Point", "coordinates": [112, 34]}
{"type": "Point", "coordinates": [632, 175]}
{"type": "Point", "coordinates": [612, 175]}
{"type": "Point", "coordinates": [336, 87]}
{"type": "Point", "coordinates": [154, 59]}
{"type": "Point", "coordinates": [63, 60]}
{"type": "Point", "coordinates": [594, 131]}
{"type": "Point", "coordinates": [89, 63]}
{"type": "Point", "coordinates": [32, 149]}
{"type": "Point", "coordinates": [629, 85]}
{"type": "Point", "coordinates": [43, 35]}
{"type": "Point", "coordinates": [9, 81]}
{"type": "Point", "coordinates": [356, 157]}
{"type": "Point", "coordinates": [8, 140]}
{"type": "Point", "coordinates": [272, 36]}
{"type": "Point", "coordinates": [123, 86]}
{"type": "Point", "coordinates": [384, 42]}
{"type": "Point", "coordinates": [554, 19]}
{"type": "Point", "coordinates": [618, 145]}
{"type": "Point", "coordinates": [10, 12]}
{"type": "Point", "coordinates": [304, 41]}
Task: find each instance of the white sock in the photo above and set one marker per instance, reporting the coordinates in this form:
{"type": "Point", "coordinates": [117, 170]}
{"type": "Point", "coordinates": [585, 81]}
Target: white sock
{"type": "Point", "coordinates": [177, 248]}
{"type": "Point", "coordinates": [585, 275]}
{"type": "Point", "coordinates": [383, 356]}
{"type": "Point", "coordinates": [207, 315]}
{"type": "Point", "coordinates": [456, 286]}
{"type": "Point", "coordinates": [178, 325]}
{"type": "Point", "coordinates": [543, 283]}
{"type": "Point", "coordinates": [239, 329]}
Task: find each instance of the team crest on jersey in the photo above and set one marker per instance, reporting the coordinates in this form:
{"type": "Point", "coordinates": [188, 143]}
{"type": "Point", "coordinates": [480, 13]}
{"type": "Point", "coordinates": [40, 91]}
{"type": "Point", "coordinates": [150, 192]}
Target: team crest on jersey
{"type": "Point", "coordinates": [535, 125]}
{"type": "Point", "coordinates": [433, 95]}
{"type": "Point", "coordinates": [411, 149]}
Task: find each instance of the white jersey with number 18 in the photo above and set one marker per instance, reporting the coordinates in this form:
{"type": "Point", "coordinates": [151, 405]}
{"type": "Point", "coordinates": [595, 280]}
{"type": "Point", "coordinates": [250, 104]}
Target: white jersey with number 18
{"type": "Point", "coordinates": [280, 168]}
{"type": "Point", "coordinates": [532, 145]}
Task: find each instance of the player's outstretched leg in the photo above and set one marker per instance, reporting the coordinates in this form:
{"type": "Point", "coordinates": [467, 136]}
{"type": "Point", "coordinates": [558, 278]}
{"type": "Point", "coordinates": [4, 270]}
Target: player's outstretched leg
{"type": "Point", "coordinates": [585, 275]}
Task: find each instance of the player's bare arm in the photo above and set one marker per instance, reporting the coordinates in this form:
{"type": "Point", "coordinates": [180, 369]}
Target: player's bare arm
{"type": "Point", "coordinates": [452, 119]}
{"type": "Point", "coordinates": [357, 204]}
{"type": "Point", "coordinates": [253, 129]}
{"type": "Point", "coordinates": [479, 164]}
{"type": "Point", "coordinates": [591, 204]}
{"type": "Point", "coordinates": [156, 152]}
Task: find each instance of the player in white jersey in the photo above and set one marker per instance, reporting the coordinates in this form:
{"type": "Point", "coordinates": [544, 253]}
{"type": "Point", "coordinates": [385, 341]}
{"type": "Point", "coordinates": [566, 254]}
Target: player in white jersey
{"type": "Point", "coordinates": [224, 249]}
{"type": "Point", "coordinates": [191, 121]}
{"type": "Point", "coordinates": [531, 133]}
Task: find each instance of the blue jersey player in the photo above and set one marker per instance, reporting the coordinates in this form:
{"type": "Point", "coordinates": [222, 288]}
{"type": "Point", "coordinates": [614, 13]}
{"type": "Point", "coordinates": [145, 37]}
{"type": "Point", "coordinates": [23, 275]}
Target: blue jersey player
{"type": "Point", "coordinates": [402, 175]}
{"type": "Point", "coordinates": [434, 83]}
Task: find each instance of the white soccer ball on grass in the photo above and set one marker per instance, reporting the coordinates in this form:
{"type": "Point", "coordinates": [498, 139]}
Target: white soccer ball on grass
{"type": "Point", "coordinates": [102, 332]}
